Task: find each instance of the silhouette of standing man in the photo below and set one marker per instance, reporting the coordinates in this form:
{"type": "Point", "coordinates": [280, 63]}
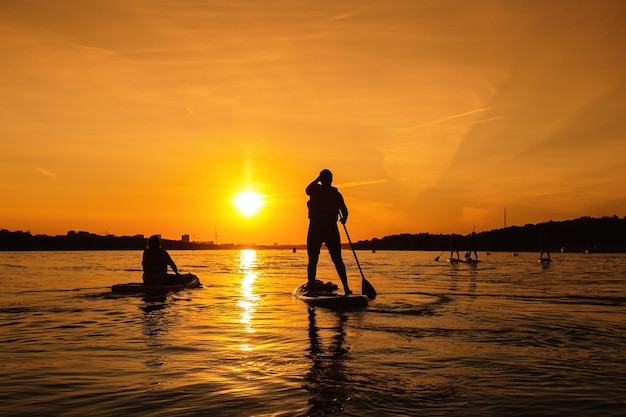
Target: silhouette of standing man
{"type": "Point", "coordinates": [472, 248]}
{"type": "Point", "coordinates": [325, 205]}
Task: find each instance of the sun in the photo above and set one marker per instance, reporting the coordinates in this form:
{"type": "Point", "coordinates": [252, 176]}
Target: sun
{"type": "Point", "coordinates": [248, 203]}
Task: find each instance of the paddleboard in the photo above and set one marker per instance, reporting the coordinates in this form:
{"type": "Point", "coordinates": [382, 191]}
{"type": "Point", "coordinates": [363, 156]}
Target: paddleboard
{"type": "Point", "coordinates": [544, 260]}
{"type": "Point", "coordinates": [140, 287]}
{"type": "Point", "coordinates": [332, 300]}
{"type": "Point", "coordinates": [454, 260]}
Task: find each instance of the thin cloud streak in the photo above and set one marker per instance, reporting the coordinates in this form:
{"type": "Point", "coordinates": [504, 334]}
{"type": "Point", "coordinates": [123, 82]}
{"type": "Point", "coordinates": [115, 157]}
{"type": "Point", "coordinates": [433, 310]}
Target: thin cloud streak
{"type": "Point", "coordinates": [458, 116]}
{"type": "Point", "coordinates": [362, 183]}
{"type": "Point", "coordinates": [46, 173]}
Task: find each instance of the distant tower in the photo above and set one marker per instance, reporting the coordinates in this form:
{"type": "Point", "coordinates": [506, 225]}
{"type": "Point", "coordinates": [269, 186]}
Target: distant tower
{"type": "Point", "coordinates": [505, 217]}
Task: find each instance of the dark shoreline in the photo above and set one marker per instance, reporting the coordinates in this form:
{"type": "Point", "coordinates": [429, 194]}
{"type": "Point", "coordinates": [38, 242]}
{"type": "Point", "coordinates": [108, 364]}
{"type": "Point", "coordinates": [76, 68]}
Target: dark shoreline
{"type": "Point", "coordinates": [586, 234]}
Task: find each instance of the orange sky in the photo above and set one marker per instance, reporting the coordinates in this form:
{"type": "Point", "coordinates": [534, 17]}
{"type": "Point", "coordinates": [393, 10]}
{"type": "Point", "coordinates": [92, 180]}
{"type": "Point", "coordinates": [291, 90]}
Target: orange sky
{"type": "Point", "coordinates": [140, 116]}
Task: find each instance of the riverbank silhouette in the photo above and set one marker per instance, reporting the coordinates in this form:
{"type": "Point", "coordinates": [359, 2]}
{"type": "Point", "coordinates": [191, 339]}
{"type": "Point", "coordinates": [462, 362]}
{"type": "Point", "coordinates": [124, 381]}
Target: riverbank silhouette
{"type": "Point", "coordinates": [585, 234]}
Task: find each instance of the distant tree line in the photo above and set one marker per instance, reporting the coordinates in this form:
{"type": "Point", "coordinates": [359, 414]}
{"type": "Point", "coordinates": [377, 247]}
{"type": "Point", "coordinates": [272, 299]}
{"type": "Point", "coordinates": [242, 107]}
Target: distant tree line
{"type": "Point", "coordinates": [85, 241]}
{"type": "Point", "coordinates": [606, 234]}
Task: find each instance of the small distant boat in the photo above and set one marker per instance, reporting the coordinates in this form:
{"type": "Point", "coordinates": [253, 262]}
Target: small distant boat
{"type": "Point", "coordinates": [192, 281]}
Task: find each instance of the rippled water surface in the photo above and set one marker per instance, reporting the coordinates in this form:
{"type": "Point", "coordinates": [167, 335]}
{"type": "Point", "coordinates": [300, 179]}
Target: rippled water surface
{"type": "Point", "coordinates": [506, 337]}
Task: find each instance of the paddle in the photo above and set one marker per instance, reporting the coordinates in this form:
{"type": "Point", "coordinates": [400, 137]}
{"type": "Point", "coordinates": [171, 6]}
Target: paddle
{"type": "Point", "coordinates": [437, 258]}
{"type": "Point", "coordinates": [366, 287]}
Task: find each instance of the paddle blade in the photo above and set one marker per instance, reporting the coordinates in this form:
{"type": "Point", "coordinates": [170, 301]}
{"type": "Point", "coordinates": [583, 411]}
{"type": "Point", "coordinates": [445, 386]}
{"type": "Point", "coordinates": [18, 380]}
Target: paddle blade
{"type": "Point", "coordinates": [368, 289]}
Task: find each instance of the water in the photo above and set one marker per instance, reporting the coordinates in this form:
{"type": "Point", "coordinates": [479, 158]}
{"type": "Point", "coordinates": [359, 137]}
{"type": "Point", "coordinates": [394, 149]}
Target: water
{"type": "Point", "coordinates": [507, 337]}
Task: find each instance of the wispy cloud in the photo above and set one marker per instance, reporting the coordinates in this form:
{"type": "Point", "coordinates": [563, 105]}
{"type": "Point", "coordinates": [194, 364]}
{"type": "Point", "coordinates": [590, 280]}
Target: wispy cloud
{"type": "Point", "coordinates": [351, 184]}
{"type": "Point", "coordinates": [46, 173]}
{"type": "Point", "coordinates": [459, 116]}
{"type": "Point", "coordinates": [343, 16]}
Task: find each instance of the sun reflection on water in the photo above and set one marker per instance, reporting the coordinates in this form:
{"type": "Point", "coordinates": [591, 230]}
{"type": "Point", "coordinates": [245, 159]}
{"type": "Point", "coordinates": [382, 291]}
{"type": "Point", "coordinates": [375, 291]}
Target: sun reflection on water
{"type": "Point", "coordinates": [248, 300]}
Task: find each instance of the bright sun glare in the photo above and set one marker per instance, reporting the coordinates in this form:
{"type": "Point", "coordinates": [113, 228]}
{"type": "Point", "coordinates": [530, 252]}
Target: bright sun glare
{"type": "Point", "coordinates": [248, 203]}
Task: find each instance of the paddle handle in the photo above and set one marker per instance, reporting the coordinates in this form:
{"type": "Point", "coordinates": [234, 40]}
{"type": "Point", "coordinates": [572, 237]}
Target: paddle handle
{"type": "Point", "coordinates": [353, 251]}
{"type": "Point", "coordinates": [366, 287]}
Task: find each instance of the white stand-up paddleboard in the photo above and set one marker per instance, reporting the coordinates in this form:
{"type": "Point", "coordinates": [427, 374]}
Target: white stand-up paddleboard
{"type": "Point", "coordinates": [191, 281]}
{"type": "Point", "coordinates": [331, 299]}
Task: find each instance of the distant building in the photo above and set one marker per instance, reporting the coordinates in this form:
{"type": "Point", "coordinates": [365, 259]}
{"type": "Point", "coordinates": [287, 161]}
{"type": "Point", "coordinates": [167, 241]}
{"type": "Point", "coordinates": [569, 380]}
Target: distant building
{"type": "Point", "coordinates": [185, 238]}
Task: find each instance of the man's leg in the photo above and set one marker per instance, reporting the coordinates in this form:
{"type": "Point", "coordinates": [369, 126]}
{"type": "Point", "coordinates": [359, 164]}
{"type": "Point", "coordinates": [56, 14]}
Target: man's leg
{"type": "Point", "coordinates": [341, 271]}
{"type": "Point", "coordinates": [313, 246]}
{"type": "Point", "coordinates": [334, 247]}
{"type": "Point", "coordinates": [312, 268]}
